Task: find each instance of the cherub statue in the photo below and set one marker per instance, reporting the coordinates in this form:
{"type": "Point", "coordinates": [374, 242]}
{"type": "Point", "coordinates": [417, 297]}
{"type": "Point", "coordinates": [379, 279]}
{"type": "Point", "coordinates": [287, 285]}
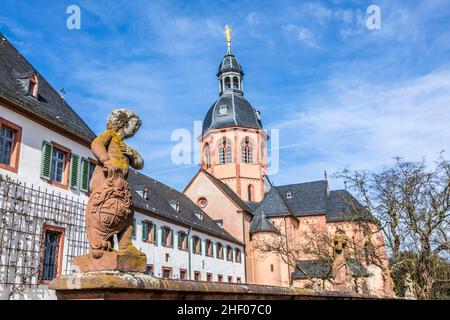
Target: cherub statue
{"type": "Point", "coordinates": [109, 210]}
{"type": "Point", "coordinates": [342, 276]}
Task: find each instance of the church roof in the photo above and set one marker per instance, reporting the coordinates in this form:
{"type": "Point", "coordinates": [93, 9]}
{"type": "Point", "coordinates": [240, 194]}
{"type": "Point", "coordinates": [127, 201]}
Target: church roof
{"type": "Point", "coordinates": [309, 199]}
{"type": "Point", "coordinates": [272, 205]}
{"type": "Point", "coordinates": [160, 200]}
{"type": "Point", "coordinates": [231, 109]}
{"type": "Point", "coordinates": [322, 269]}
{"type": "Point", "coordinates": [261, 224]}
{"type": "Point", "coordinates": [48, 106]}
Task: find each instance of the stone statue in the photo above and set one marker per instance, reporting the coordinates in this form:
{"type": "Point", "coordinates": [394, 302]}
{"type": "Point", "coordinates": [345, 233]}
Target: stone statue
{"type": "Point", "coordinates": [317, 284]}
{"type": "Point", "coordinates": [109, 210]}
{"type": "Point", "coordinates": [409, 287]}
{"type": "Point", "coordinates": [342, 276]}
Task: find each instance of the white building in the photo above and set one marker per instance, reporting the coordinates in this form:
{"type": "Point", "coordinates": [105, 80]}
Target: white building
{"type": "Point", "coordinates": [45, 167]}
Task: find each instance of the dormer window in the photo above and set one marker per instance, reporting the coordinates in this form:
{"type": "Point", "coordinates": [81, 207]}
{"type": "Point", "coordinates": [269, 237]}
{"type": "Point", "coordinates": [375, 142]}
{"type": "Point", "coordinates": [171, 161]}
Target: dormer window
{"type": "Point", "coordinates": [199, 215]}
{"type": "Point", "coordinates": [33, 85]}
{"type": "Point", "coordinates": [288, 195]}
{"type": "Point", "coordinates": [28, 82]}
{"type": "Point", "coordinates": [219, 222]}
{"type": "Point", "coordinates": [175, 205]}
{"type": "Point", "coordinates": [145, 193]}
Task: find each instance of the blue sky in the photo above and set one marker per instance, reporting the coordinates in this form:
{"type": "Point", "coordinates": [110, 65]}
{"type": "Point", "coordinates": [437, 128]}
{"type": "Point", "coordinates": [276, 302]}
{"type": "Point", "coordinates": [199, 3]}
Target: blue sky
{"type": "Point", "coordinates": [342, 95]}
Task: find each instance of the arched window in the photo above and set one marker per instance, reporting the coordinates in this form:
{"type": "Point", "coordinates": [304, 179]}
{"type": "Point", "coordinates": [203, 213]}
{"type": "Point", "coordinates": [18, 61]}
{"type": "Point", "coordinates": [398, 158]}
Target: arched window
{"type": "Point", "coordinates": [250, 190]}
{"type": "Point", "coordinates": [207, 154]}
{"type": "Point", "coordinates": [263, 148]}
{"type": "Point", "coordinates": [224, 151]}
{"type": "Point", "coordinates": [247, 151]}
{"type": "Point", "coordinates": [227, 83]}
{"type": "Point", "coordinates": [235, 83]}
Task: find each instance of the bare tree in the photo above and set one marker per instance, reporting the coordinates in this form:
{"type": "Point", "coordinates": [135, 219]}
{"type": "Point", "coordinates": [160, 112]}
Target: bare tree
{"type": "Point", "coordinates": [317, 243]}
{"type": "Point", "coordinates": [412, 204]}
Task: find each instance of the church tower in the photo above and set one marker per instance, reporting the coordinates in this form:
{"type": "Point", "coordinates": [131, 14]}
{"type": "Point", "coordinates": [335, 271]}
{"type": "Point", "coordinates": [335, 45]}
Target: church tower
{"type": "Point", "coordinates": [233, 142]}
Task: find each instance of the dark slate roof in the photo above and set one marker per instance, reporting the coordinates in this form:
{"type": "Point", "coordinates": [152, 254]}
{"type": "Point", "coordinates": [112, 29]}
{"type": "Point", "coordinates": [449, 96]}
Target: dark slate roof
{"type": "Point", "coordinates": [323, 269]}
{"type": "Point", "coordinates": [160, 197]}
{"type": "Point", "coordinates": [239, 113]}
{"type": "Point", "coordinates": [261, 224]}
{"type": "Point", "coordinates": [312, 198]}
{"type": "Point", "coordinates": [227, 190]}
{"type": "Point", "coordinates": [229, 63]}
{"type": "Point", "coordinates": [272, 205]}
{"type": "Point", "coordinates": [252, 205]}
{"type": "Point", "coordinates": [342, 205]}
{"type": "Point", "coordinates": [308, 198]}
{"type": "Point", "coordinates": [48, 105]}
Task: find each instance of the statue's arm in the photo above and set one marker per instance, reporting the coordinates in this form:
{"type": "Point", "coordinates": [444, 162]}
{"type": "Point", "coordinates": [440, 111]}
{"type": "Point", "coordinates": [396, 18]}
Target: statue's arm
{"type": "Point", "coordinates": [100, 145]}
{"type": "Point", "coordinates": [136, 160]}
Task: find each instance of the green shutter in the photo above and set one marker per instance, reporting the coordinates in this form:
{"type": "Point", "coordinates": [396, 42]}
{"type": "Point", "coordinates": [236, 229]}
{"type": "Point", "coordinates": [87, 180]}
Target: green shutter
{"type": "Point", "coordinates": [155, 235]}
{"type": "Point", "coordinates": [217, 251]}
{"type": "Point", "coordinates": [179, 239]}
{"type": "Point", "coordinates": [171, 238]}
{"type": "Point", "coordinates": [187, 242]}
{"type": "Point", "coordinates": [143, 231]}
{"type": "Point", "coordinates": [73, 176]}
{"type": "Point", "coordinates": [84, 184]}
{"type": "Point", "coordinates": [163, 243]}
{"type": "Point", "coordinates": [133, 229]}
{"type": "Point", "coordinates": [46, 160]}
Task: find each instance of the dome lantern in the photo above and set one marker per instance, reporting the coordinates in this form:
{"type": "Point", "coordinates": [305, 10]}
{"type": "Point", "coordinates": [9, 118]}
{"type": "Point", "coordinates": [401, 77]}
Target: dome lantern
{"type": "Point", "coordinates": [230, 72]}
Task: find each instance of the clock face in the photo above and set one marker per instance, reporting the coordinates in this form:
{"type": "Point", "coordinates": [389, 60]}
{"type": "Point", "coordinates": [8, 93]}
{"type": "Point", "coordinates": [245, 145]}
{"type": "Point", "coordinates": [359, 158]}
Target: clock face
{"type": "Point", "coordinates": [223, 110]}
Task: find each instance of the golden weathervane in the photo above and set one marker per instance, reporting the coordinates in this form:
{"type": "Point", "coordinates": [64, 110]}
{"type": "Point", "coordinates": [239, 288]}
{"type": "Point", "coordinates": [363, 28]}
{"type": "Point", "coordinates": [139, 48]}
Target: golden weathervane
{"type": "Point", "coordinates": [228, 34]}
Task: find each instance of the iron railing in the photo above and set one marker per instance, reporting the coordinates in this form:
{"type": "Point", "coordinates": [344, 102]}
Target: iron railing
{"type": "Point", "coordinates": [24, 211]}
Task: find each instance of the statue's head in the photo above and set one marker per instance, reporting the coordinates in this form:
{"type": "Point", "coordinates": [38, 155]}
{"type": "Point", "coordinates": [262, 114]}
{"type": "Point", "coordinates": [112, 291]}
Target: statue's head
{"type": "Point", "coordinates": [340, 240]}
{"type": "Point", "coordinates": [125, 122]}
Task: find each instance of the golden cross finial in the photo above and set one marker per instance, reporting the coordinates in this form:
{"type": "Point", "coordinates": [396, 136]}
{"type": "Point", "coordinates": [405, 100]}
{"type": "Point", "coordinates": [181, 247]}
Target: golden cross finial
{"type": "Point", "coordinates": [228, 31]}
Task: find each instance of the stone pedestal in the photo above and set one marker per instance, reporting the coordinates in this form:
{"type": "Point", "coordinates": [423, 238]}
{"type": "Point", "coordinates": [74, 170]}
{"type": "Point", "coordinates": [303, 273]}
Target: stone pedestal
{"type": "Point", "coordinates": [111, 261]}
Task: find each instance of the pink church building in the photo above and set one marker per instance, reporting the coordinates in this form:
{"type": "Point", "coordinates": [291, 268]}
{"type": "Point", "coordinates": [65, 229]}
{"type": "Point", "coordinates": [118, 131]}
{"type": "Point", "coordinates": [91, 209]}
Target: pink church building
{"type": "Point", "coordinates": [232, 187]}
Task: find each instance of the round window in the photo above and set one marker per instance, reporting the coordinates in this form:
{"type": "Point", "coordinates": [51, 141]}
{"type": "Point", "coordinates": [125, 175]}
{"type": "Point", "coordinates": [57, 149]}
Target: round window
{"type": "Point", "coordinates": [202, 202]}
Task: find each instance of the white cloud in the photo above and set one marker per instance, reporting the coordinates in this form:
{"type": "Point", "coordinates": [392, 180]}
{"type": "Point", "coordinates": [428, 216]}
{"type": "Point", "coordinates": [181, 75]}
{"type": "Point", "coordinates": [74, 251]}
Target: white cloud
{"type": "Point", "coordinates": [300, 33]}
{"type": "Point", "coordinates": [252, 18]}
{"type": "Point", "coordinates": [362, 125]}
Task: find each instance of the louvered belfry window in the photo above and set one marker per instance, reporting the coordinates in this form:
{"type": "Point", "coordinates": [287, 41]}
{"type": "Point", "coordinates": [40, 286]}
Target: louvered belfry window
{"type": "Point", "coordinates": [207, 156]}
{"type": "Point", "coordinates": [225, 152]}
{"type": "Point", "coordinates": [247, 151]}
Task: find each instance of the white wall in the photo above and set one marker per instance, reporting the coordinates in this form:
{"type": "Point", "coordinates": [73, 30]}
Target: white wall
{"type": "Point", "coordinates": [180, 259]}
{"type": "Point", "coordinates": [31, 148]}
{"type": "Point", "coordinates": [29, 166]}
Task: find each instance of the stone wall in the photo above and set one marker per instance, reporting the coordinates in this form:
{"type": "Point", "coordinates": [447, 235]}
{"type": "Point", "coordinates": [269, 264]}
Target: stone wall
{"type": "Point", "coordinates": [125, 286]}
